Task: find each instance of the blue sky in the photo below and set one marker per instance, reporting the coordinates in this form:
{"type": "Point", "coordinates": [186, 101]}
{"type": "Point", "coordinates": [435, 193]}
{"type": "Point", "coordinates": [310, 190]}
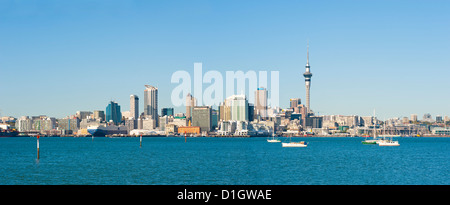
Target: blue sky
{"type": "Point", "coordinates": [58, 57]}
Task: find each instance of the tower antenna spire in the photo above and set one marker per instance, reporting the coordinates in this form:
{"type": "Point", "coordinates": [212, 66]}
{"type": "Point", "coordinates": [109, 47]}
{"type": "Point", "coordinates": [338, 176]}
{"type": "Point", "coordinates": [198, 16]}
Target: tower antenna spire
{"type": "Point", "coordinates": [307, 76]}
{"type": "Point", "coordinates": [307, 52]}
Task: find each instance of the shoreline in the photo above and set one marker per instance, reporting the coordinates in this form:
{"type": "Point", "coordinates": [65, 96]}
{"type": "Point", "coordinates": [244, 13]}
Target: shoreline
{"type": "Point", "coordinates": [227, 136]}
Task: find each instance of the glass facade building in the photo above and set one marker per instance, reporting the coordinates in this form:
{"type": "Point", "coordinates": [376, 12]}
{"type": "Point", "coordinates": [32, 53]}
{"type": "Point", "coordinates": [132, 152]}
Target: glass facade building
{"type": "Point", "coordinates": [113, 113]}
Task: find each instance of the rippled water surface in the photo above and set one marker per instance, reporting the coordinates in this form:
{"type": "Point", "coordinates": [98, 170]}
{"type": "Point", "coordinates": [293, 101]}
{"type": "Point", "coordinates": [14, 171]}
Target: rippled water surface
{"type": "Point", "coordinates": [247, 161]}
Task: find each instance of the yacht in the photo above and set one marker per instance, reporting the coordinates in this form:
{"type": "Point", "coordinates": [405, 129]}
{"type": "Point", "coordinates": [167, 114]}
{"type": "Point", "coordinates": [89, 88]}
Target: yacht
{"type": "Point", "coordinates": [273, 139]}
{"type": "Point", "coordinates": [388, 142]}
{"type": "Point", "coordinates": [294, 144]}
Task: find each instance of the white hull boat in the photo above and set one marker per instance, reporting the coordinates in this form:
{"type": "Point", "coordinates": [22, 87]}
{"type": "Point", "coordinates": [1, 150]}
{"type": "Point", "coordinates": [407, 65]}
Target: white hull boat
{"type": "Point", "coordinates": [294, 144]}
{"type": "Point", "coordinates": [273, 140]}
{"type": "Point", "coordinates": [388, 143]}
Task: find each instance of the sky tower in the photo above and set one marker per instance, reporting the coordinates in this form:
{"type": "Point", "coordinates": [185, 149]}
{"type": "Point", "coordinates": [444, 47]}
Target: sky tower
{"type": "Point", "coordinates": [307, 76]}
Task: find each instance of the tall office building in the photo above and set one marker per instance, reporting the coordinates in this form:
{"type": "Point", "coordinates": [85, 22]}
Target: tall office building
{"type": "Point", "coordinates": [239, 107]}
{"type": "Point", "coordinates": [83, 114]}
{"type": "Point", "coordinates": [134, 106]}
{"type": "Point", "coordinates": [99, 114]}
{"type": "Point", "coordinates": [225, 110]}
{"type": "Point", "coordinates": [190, 103]}
{"type": "Point", "coordinates": [414, 117]}
{"type": "Point", "coordinates": [307, 76]}
{"type": "Point", "coordinates": [251, 112]}
{"type": "Point", "coordinates": [295, 102]}
{"type": "Point", "coordinates": [113, 113]}
{"type": "Point", "coordinates": [261, 102]}
{"type": "Point", "coordinates": [151, 102]}
{"type": "Point", "coordinates": [202, 117]}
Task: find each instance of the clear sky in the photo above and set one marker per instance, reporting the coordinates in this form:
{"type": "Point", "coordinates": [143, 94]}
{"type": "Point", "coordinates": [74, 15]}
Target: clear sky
{"type": "Point", "coordinates": [58, 57]}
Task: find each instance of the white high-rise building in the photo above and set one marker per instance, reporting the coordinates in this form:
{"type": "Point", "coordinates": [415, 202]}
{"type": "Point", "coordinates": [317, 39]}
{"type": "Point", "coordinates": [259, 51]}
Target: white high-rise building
{"type": "Point", "coordinates": [151, 102]}
{"type": "Point", "coordinates": [261, 102]}
{"type": "Point", "coordinates": [191, 102]}
{"type": "Point", "coordinates": [239, 107]}
{"type": "Point", "coordinates": [134, 106]}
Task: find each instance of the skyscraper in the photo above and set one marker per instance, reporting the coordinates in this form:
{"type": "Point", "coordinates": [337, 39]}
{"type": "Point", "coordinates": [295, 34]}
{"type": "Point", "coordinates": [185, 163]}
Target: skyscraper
{"type": "Point", "coordinates": [201, 117]}
{"type": "Point", "coordinates": [307, 76]}
{"type": "Point", "coordinates": [151, 102]}
{"type": "Point", "coordinates": [239, 107]}
{"type": "Point", "coordinates": [134, 106]}
{"type": "Point", "coordinates": [190, 103]}
{"type": "Point", "coordinates": [113, 113]}
{"type": "Point", "coordinates": [261, 102]}
{"type": "Point", "coordinates": [295, 102]}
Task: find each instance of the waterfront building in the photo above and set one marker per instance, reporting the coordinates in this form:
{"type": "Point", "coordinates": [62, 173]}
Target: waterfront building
{"type": "Point", "coordinates": [148, 124]}
{"type": "Point", "coordinates": [201, 117]}
{"type": "Point", "coordinates": [214, 118]}
{"type": "Point", "coordinates": [239, 107]}
{"type": "Point", "coordinates": [163, 121]}
{"type": "Point", "coordinates": [414, 117]}
{"type": "Point", "coordinates": [126, 115]}
{"type": "Point", "coordinates": [227, 128]}
{"type": "Point", "coordinates": [405, 120]}
{"type": "Point", "coordinates": [440, 131]}
{"type": "Point", "coordinates": [7, 119]}
{"type": "Point", "coordinates": [134, 107]}
{"type": "Point", "coordinates": [113, 113]}
{"type": "Point", "coordinates": [225, 110]}
{"type": "Point", "coordinates": [295, 102]}
{"type": "Point", "coordinates": [261, 102]}
{"type": "Point", "coordinates": [69, 124]}
{"type": "Point", "coordinates": [167, 112]}
{"type": "Point", "coordinates": [44, 124]}
{"type": "Point", "coordinates": [99, 114]}
{"type": "Point", "coordinates": [307, 76]}
{"type": "Point", "coordinates": [251, 112]}
{"type": "Point", "coordinates": [368, 121]}
{"type": "Point", "coordinates": [140, 125]}
{"type": "Point", "coordinates": [131, 124]}
{"type": "Point", "coordinates": [427, 117]}
{"type": "Point", "coordinates": [171, 129]}
{"type": "Point", "coordinates": [341, 120]}
{"type": "Point", "coordinates": [83, 114]}
{"type": "Point", "coordinates": [151, 102]}
{"type": "Point", "coordinates": [314, 122]}
{"type": "Point", "coordinates": [179, 122]}
{"type": "Point", "coordinates": [439, 118]}
{"type": "Point", "coordinates": [24, 124]}
{"type": "Point", "coordinates": [191, 102]}
{"type": "Point", "coordinates": [189, 130]}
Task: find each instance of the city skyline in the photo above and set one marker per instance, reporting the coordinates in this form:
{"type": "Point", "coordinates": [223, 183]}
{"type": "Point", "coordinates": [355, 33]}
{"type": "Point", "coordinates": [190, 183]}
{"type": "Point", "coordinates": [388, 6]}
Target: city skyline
{"type": "Point", "coordinates": [87, 57]}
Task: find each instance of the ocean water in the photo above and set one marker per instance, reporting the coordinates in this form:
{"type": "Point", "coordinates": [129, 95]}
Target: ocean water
{"type": "Point", "coordinates": [222, 161]}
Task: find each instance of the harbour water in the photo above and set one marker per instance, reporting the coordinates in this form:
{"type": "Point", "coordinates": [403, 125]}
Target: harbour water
{"type": "Point", "coordinates": [223, 161]}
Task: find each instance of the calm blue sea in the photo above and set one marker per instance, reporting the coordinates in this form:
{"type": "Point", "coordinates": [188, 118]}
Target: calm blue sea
{"type": "Point", "coordinates": [211, 161]}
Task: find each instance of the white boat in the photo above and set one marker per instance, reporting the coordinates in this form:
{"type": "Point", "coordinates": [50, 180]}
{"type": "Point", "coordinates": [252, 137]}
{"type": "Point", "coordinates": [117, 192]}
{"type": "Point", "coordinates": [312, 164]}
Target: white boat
{"type": "Point", "coordinates": [388, 143]}
{"type": "Point", "coordinates": [273, 139]}
{"type": "Point", "coordinates": [294, 144]}
{"type": "Point", "coordinates": [374, 140]}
